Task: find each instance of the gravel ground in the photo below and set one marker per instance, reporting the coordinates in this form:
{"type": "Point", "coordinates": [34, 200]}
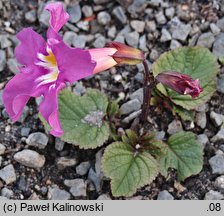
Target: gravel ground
{"type": "Point", "coordinates": [35, 165]}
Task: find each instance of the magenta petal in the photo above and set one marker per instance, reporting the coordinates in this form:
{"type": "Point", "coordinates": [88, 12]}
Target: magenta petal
{"type": "Point", "coordinates": [18, 91]}
{"type": "Point", "coordinates": [73, 63]}
{"type": "Point", "coordinates": [30, 44]}
{"type": "Point", "coordinates": [49, 109]}
{"type": "Point", "coordinates": [58, 18]}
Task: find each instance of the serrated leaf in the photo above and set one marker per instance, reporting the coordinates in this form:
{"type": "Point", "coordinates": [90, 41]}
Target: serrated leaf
{"type": "Point", "coordinates": [127, 170]}
{"type": "Point", "coordinates": [82, 118]}
{"type": "Point", "coordinates": [199, 63]}
{"type": "Point", "coordinates": [186, 115]}
{"type": "Point", "coordinates": [183, 153]}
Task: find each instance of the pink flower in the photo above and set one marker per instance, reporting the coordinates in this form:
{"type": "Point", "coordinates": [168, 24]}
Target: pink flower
{"type": "Point", "coordinates": [47, 67]}
{"type": "Point", "coordinates": [181, 83]}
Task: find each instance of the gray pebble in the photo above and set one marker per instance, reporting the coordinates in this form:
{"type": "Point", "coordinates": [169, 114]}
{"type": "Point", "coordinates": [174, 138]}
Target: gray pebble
{"type": "Point", "coordinates": [83, 168]}
{"type": "Point", "coordinates": [2, 60]}
{"type": "Point", "coordinates": [203, 139]}
{"type": "Point", "coordinates": [130, 106]}
{"type": "Point", "coordinates": [217, 164]}
{"type": "Point", "coordinates": [7, 174]}
{"type": "Point", "coordinates": [216, 118]}
{"type": "Point", "coordinates": [69, 37]}
{"type": "Point", "coordinates": [160, 135]}
{"type": "Point", "coordinates": [206, 40]}
{"type": "Point", "coordinates": [4, 41]}
{"type": "Point", "coordinates": [22, 184]}
{"type": "Point", "coordinates": [119, 13]}
{"type": "Point", "coordinates": [13, 65]}
{"type": "Point", "coordinates": [25, 113]}
{"type": "Point", "coordinates": [215, 29]}
{"type": "Point", "coordinates": [220, 24]}
{"type": "Point", "coordinates": [30, 158]}
{"type": "Point", "coordinates": [79, 41]}
{"type": "Point", "coordinates": [83, 25]}
{"type": "Point", "coordinates": [154, 55]}
{"type": "Point", "coordinates": [160, 18]}
{"type": "Point", "coordinates": [64, 162]}
{"type": "Point", "coordinates": [25, 132]}
{"type": "Point", "coordinates": [31, 16]}
{"type": "Point", "coordinates": [132, 116]}
{"type": "Point", "coordinates": [213, 195]}
{"type": "Point", "coordinates": [7, 192]}
{"type": "Point", "coordinates": [181, 32]}
{"type": "Point", "coordinates": [150, 26]}
{"type": "Point", "coordinates": [87, 11]}
{"type": "Point", "coordinates": [137, 6]}
{"type": "Point", "coordinates": [104, 197]}
{"type": "Point", "coordinates": [2, 149]}
{"type": "Point", "coordinates": [166, 36]}
{"type": "Point", "coordinates": [58, 194]}
{"type": "Point", "coordinates": [164, 195]}
{"type": "Point", "coordinates": [100, 42]}
{"type": "Point", "coordinates": [201, 119]}
{"type": "Point", "coordinates": [219, 183]}
{"type": "Point", "coordinates": [174, 127]}
{"type": "Point", "coordinates": [219, 136]}
{"type": "Point", "coordinates": [75, 13]}
{"type": "Point", "coordinates": [59, 144]}
{"type": "Point", "coordinates": [218, 46]}
{"type": "Point", "coordinates": [38, 140]}
{"type": "Point", "coordinates": [143, 43]}
{"type": "Point", "coordinates": [44, 18]}
{"type": "Point", "coordinates": [138, 94]}
{"type": "Point", "coordinates": [132, 39]}
{"type": "Point", "coordinates": [220, 84]}
{"type": "Point", "coordinates": [138, 25]}
{"type": "Point", "coordinates": [175, 44]}
{"type": "Point", "coordinates": [169, 12]}
{"type": "Point", "coordinates": [103, 18]}
{"type": "Point", "coordinates": [112, 32]}
{"type": "Point", "coordinates": [101, 1]}
{"type": "Point", "coordinates": [78, 188]}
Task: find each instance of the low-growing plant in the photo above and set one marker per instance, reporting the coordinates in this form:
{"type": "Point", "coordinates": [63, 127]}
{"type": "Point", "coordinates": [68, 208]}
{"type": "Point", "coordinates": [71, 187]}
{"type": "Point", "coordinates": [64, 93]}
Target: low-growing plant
{"type": "Point", "coordinates": [183, 78]}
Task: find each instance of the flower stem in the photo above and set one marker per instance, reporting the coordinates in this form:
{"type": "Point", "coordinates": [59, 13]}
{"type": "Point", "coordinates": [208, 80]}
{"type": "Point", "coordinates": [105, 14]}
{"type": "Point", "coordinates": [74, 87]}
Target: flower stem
{"type": "Point", "coordinates": [149, 85]}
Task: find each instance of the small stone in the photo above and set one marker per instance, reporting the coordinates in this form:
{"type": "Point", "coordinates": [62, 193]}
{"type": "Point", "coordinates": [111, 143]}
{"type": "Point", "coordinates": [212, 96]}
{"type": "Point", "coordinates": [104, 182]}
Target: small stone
{"type": "Point", "coordinates": [83, 25]}
{"type": "Point", "coordinates": [2, 149]}
{"type": "Point", "coordinates": [132, 116]}
{"type": "Point", "coordinates": [7, 174]}
{"type": "Point", "coordinates": [203, 139]}
{"type": "Point", "coordinates": [64, 162]}
{"type": "Point", "coordinates": [160, 135]}
{"type": "Point", "coordinates": [218, 46]}
{"type": "Point", "coordinates": [132, 38]}
{"type": "Point", "coordinates": [101, 1]}
{"type": "Point", "coordinates": [215, 29]}
{"type": "Point", "coordinates": [112, 32]}
{"type": "Point", "coordinates": [160, 18]}
{"type": "Point", "coordinates": [25, 132]}
{"type": "Point", "coordinates": [220, 24]}
{"type": "Point", "coordinates": [166, 36]}
{"type": "Point", "coordinates": [31, 16]}
{"type": "Point", "coordinates": [137, 6]}
{"type": "Point", "coordinates": [83, 168]}
{"type": "Point", "coordinates": [2, 60]}
{"type": "Point", "coordinates": [220, 85]}
{"type": "Point", "coordinates": [174, 127]}
{"type": "Point", "coordinates": [103, 18]}
{"type": "Point", "coordinates": [213, 195]}
{"type": "Point", "coordinates": [59, 144]}
{"type": "Point", "coordinates": [44, 17]}
{"type": "Point", "coordinates": [119, 13]}
{"type": "Point", "coordinates": [87, 11]}
{"type": "Point", "coordinates": [100, 42]}
{"type": "Point", "coordinates": [78, 188]}
{"type": "Point", "coordinates": [13, 65]}
{"type": "Point", "coordinates": [79, 41]}
{"type": "Point", "coordinates": [137, 95]}
{"type": "Point", "coordinates": [219, 183]}
{"type": "Point", "coordinates": [22, 184]}
{"type": "Point", "coordinates": [219, 137]}
{"type": "Point", "coordinates": [1, 159]}
{"type": "Point", "coordinates": [150, 26]}
{"type": "Point", "coordinates": [206, 40]}
{"type": "Point", "coordinates": [5, 42]}
{"type": "Point", "coordinates": [143, 43]}
{"type": "Point", "coordinates": [138, 25]}
{"type": "Point", "coordinates": [30, 158]}
{"type": "Point", "coordinates": [79, 89]}
{"type": "Point", "coordinates": [75, 13]}
{"type": "Point", "coordinates": [154, 55]}
{"type": "Point", "coordinates": [181, 32]}
{"type": "Point", "coordinates": [217, 164]}
{"type": "Point", "coordinates": [69, 37]}
{"type": "Point", "coordinates": [104, 197]}
{"type": "Point", "coordinates": [58, 194]}
{"type": "Point", "coordinates": [201, 119]}
{"type": "Point", "coordinates": [130, 106]}
{"type": "Point", "coordinates": [164, 195]}
{"type": "Point", "coordinates": [169, 12]}
{"type": "Point", "coordinates": [7, 193]}
{"type": "Point", "coordinates": [38, 140]}
{"type": "Point", "coordinates": [175, 44]}
{"type": "Point", "coordinates": [217, 118]}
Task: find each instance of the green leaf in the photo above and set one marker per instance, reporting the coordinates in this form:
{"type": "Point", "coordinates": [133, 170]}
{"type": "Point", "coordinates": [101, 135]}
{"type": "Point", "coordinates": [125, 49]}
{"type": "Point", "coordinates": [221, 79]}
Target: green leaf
{"type": "Point", "coordinates": [199, 63]}
{"type": "Point", "coordinates": [127, 169]}
{"type": "Point", "coordinates": [183, 153]}
{"type": "Point", "coordinates": [82, 118]}
{"type": "Point", "coordinates": [186, 115]}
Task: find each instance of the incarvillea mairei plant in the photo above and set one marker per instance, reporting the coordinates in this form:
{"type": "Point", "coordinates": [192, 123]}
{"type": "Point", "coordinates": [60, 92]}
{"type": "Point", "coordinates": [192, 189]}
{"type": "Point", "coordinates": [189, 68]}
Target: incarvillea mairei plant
{"type": "Point", "coordinates": [183, 78]}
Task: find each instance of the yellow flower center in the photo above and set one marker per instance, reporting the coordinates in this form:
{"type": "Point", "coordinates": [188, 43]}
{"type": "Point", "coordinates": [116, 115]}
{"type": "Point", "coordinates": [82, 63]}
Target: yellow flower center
{"type": "Point", "coordinates": [48, 62]}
